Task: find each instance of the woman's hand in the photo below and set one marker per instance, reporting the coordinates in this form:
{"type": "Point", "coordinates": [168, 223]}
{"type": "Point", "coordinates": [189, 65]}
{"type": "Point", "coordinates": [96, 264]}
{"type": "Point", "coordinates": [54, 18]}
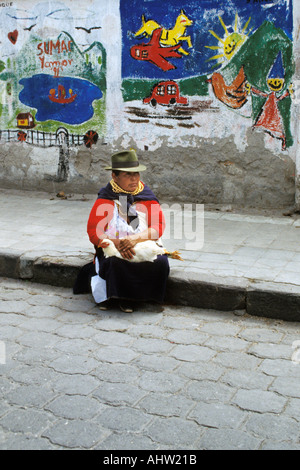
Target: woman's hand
{"type": "Point", "coordinates": [123, 245]}
{"type": "Point", "coordinates": [126, 248]}
{"type": "Point", "coordinates": [126, 245]}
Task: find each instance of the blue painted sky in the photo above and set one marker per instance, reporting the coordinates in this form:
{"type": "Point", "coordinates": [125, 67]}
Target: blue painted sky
{"type": "Point", "coordinates": [205, 16]}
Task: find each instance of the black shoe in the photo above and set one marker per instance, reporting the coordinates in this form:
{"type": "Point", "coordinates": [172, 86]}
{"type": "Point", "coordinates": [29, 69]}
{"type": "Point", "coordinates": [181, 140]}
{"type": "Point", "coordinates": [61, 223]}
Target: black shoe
{"type": "Point", "coordinates": [106, 305]}
{"type": "Point", "coordinates": [126, 307]}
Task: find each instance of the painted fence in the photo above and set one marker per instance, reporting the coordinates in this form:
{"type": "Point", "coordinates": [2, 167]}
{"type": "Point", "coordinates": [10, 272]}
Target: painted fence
{"type": "Point", "coordinates": [48, 139]}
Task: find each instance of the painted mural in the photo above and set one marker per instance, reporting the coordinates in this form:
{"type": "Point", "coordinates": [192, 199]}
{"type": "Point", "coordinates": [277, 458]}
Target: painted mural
{"type": "Point", "coordinates": [189, 57]}
{"type": "Point", "coordinates": [52, 73]}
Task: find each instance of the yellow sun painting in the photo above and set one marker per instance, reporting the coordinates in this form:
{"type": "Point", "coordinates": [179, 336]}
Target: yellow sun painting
{"type": "Point", "coordinates": [230, 43]}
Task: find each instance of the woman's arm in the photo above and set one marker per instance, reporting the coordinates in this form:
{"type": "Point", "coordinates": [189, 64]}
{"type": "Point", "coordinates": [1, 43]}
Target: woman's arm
{"type": "Point", "coordinates": [127, 244]}
{"type": "Point", "coordinates": [148, 234]}
{"type": "Point", "coordinates": [100, 215]}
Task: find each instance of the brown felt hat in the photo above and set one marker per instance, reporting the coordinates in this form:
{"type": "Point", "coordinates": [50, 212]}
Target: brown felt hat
{"type": "Point", "coordinates": [125, 161]}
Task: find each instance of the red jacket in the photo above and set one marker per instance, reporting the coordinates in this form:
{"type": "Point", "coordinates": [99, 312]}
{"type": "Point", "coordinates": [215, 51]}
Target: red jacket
{"type": "Point", "coordinates": [102, 212]}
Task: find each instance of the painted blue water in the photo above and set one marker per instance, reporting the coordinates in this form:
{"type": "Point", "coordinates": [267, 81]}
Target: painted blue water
{"type": "Point", "coordinates": [36, 95]}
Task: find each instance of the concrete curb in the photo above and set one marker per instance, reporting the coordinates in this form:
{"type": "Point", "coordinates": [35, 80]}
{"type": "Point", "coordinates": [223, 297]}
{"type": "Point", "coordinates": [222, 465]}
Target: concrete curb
{"type": "Point", "coordinates": [264, 299]}
{"type": "Point", "coordinates": [54, 269]}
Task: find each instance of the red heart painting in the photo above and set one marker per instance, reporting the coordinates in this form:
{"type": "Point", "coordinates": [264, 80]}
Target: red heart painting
{"type": "Point", "coordinates": [13, 36]}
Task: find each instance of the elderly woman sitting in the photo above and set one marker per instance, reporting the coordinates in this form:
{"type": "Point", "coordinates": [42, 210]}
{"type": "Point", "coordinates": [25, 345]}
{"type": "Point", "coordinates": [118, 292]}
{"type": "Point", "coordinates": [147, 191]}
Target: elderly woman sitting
{"type": "Point", "coordinates": [126, 213]}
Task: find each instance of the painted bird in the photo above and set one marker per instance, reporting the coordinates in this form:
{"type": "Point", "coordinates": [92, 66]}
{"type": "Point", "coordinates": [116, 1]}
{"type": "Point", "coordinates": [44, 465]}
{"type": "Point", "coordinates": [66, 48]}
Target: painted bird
{"type": "Point", "coordinates": [233, 95]}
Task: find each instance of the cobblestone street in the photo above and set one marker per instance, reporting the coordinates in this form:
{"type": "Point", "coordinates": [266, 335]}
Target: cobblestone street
{"type": "Point", "coordinates": [74, 377]}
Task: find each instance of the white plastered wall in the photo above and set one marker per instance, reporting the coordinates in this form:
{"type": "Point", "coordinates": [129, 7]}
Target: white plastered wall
{"type": "Point", "coordinates": [296, 107]}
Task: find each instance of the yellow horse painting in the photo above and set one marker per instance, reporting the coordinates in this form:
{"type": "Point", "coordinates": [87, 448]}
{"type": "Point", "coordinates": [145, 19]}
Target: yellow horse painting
{"type": "Point", "coordinates": [169, 37]}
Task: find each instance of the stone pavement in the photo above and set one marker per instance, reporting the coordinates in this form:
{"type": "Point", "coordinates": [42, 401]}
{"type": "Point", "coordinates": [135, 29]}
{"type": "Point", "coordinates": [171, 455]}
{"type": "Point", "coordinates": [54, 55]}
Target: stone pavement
{"type": "Point", "coordinates": [74, 377]}
{"type": "Point", "coordinates": [246, 261]}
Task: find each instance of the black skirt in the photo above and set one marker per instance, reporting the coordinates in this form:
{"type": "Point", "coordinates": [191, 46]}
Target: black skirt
{"type": "Point", "coordinates": [144, 281]}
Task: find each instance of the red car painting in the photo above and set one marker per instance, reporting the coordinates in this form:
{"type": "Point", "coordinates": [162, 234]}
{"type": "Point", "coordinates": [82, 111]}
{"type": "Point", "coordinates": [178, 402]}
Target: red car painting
{"type": "Point", "coordinates": [165, 93]}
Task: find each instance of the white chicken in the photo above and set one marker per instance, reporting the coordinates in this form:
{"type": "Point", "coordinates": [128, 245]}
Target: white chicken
{"type": "Point", "coordinates": [144, 251]}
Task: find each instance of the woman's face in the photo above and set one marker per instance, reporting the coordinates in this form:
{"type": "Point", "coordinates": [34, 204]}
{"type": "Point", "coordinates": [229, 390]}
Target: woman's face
{"type": "Point", "coordinates": [127, 180]}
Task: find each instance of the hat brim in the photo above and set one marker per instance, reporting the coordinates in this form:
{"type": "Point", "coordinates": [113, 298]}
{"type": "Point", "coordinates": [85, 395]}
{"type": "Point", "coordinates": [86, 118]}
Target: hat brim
{"type": "Point", "coordinates": [131, 169]}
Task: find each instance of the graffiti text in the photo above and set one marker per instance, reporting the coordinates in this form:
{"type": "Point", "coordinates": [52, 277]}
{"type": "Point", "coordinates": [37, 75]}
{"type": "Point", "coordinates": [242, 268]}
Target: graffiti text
{"type": "Point", "coordinates": [49, 46]}
{"type": "Point", "coordinates": [55, 65]}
